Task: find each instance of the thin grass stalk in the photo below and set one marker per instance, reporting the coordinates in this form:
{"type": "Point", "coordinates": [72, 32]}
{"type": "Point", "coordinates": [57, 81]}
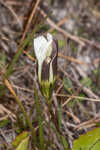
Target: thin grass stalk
{"type": "Point", "coordinates": [61, 138]}
{"type": "Point", "coordinates": [40, 121]}
{"type": "Point", "coordinates": [57, 126]}
{"type": "Point", "coordinates": [59, 116]}
{"type": "Point", "coordinates": [23, 110]}
{"type": "Point", "coordinates": [17, 55]}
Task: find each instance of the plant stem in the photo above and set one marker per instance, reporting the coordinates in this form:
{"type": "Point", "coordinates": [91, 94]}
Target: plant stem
{"type": "Point", "coordinates": [17, 55]}
{"type": "Point", "coordinates": [23, 110]}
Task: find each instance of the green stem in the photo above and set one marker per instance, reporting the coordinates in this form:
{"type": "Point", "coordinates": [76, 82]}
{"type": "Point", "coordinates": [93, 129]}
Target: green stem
{"type": "Point", "coordinates": [54, 118]}
{"type": "Point", "coordinates": [40, 121]}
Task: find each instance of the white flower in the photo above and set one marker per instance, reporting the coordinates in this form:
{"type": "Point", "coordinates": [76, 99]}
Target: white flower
{"type": "Point", "coordinates": [46, 52]}
{"type": "Point", "coordinates": [43, 49]}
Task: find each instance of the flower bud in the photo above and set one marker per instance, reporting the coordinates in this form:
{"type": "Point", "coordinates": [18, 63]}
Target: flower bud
{"type": "Point", "coordinates": [46, 51]}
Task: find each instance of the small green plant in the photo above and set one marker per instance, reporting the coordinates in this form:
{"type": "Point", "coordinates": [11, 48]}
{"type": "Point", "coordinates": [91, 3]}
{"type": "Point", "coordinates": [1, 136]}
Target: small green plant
{"type": "Point", "coordinates": [47, 74]}
{"type": "Point", "coordinates": [46, 51]}
{"type": "Point", "coordinates": [6, 83]}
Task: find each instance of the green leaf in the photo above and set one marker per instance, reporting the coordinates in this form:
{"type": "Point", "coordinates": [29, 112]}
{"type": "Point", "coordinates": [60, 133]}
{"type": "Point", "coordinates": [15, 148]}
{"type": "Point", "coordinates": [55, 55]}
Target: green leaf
{"type": "Point", "coordinates": [23, 145]}
{"type": "Point", "coordinates": [88, 141]}
{"type": "Point", "coordinates": [21, 141]}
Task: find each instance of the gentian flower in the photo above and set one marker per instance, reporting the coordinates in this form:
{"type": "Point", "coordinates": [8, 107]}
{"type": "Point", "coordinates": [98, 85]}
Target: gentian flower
{"type": "Point", "coordinates": [46, 51]}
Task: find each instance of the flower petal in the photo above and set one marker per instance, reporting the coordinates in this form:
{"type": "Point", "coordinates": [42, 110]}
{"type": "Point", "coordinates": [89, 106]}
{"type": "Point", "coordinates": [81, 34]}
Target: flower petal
{"type": "Point", "coordinates": [43, 49]}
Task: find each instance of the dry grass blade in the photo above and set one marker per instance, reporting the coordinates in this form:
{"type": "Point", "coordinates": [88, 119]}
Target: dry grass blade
{"type": "Point", "coordinates": [78, 97]}
{"type": "Point", "coordinates": [72, 59]}
{"type": "Point", "coordinates": [89, 123]}
{"type": "Point", "coordinates": [22, 109]}
{"type": "Point", "coordinates": [10, 88]}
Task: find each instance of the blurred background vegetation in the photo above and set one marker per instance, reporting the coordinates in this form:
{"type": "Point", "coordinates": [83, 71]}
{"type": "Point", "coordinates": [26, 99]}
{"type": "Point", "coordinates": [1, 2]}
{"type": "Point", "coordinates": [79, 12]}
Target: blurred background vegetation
{"type": "Point", "coordinates": [26, 121]}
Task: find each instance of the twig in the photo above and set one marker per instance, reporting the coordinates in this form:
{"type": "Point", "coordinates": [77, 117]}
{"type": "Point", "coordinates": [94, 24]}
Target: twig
{"type": "Point", "coordinates": [79, 40]}
{"type": "Point", "coordinates": [72, 59]}
{"type": "Point", "coordinates": [92, 43]}
{"type": "Point", "coordinates": [89, 122]}
{"type": "Point", "coordinates": [78, 97]}
{"type": "Point", "coordinates": [60, 87]}
{"type": "Point", "coordinates": [67, 101]}
{"type": "Point", "coordinates": [76, 119]}
{"type": "Point", "coordinates": [61, 22]}
{"type": "Point", "coordinates": [66, 34]}
{"type": "Point", "coordinates": [29, 20]}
